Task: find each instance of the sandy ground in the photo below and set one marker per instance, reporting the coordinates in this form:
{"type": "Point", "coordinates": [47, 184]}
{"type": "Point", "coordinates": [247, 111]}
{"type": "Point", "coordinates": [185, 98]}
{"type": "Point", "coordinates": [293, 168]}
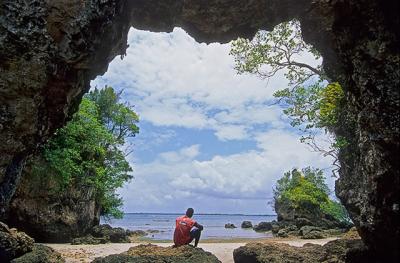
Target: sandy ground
{"type": "Point", "coordinates": [223, 251]}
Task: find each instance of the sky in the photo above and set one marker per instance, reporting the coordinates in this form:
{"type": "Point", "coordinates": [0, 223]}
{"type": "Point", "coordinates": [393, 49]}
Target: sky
{"type": "Point", "coordinates": [209, 138]}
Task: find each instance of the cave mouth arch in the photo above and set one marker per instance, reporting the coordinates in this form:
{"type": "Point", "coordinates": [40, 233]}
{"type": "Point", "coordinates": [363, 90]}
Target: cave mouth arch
{"type": "Point", "coordinates": [52, 50]}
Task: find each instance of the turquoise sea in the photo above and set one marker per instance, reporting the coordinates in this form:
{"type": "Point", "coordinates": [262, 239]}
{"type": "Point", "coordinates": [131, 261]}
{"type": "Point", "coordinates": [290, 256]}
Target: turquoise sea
{"type": "Point", "coordinates": [214, 224]}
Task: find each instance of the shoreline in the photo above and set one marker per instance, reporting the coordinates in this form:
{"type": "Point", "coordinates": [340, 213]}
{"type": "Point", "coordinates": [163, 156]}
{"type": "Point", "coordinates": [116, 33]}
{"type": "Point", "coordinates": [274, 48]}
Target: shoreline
{"type": "Point", "coordinates": [222, 249]}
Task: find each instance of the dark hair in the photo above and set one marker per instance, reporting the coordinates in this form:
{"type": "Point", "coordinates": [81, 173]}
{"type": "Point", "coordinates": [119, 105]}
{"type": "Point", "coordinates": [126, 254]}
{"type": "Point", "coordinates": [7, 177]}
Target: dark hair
{"type": "Point", "coordinates": [189, 212]}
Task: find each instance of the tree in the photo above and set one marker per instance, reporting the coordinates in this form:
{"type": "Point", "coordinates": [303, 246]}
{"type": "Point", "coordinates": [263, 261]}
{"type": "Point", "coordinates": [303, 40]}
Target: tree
{"type": "Point", "coordinates": [306, 189]}
{"type": "Point", "coordinates": [310, 103]}
{"type": "Point", "coordinates": [87, 150]}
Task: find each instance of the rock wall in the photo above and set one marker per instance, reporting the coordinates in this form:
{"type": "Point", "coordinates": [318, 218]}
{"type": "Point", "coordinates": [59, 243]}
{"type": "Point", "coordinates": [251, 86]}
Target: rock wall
{"type": "Point", "coordinates": [50, 50]}
{"type": "Point", "coordinates": [49, 213]}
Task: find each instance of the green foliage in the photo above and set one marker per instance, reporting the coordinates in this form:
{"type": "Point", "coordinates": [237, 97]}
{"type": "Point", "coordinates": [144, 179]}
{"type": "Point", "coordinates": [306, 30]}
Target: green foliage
{"type": "Point", "coordinates": [307, 189]}
{"type": "Point", "coordinates": [86, 151]}
{"type": "Point", "coordinates": [119, 118]}
{"type": "Point", "coordinates": [336, 210]}
{"type": "Point", "coordinates": [315, 106]}
{"type": "Point", "coordinates": [279, 49]}
{"type": "Point", "coordinates": [309, 102]}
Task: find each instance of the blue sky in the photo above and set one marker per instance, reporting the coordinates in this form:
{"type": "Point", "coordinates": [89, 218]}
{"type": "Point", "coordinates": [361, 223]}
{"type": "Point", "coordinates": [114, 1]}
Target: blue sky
{"type": "Point", "coordinates": [209, 139]}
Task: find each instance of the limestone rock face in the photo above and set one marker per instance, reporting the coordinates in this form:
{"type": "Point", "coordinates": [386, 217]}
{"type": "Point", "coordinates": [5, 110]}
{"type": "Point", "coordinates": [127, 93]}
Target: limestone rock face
{"type": "Point", "coordinates": [305, 216]}
{"type": "Point", "coordinates": [50, 214]}
{"type": "Point", "coordinates": [50, 50]}
{"type": "Point", "coordinates": [155, 254]}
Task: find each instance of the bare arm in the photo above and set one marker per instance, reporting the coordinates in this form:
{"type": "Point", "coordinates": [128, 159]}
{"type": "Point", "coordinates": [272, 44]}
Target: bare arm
{"type": "Point", "coordinates": [198, 226]}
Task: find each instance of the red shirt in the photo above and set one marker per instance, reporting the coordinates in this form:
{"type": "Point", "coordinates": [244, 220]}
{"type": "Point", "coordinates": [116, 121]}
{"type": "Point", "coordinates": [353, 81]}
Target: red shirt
{"type": "Point", "coordinates": [182, 230]}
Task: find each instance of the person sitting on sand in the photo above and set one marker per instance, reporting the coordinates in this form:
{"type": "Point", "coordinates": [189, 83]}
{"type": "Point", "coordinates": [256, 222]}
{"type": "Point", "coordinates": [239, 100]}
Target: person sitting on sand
{"type": "Point", "coordinates": [186, 229]}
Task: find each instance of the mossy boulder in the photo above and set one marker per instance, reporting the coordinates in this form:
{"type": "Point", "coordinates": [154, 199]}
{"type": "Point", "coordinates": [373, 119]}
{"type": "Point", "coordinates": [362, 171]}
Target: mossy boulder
{"type": "Point", "coordinates": [40, 254]}
{"type": "Point", "coordinates": [13, 243]}
{"type": "Point", "coordinates": [337, 251]}
{"type": "Point", "coordinates": [156, 254]}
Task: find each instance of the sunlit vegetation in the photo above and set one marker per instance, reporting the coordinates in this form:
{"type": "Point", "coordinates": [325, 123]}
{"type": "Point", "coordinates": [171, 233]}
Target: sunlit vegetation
{"type": "Point", "coordinates": [307, 190]}
{"type": "Point", "coordinates": [88, 150]}
{"type": "Point", "coordinates": [312, 101]}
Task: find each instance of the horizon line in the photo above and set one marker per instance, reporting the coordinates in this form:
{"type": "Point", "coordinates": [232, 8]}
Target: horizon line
{"type": "Point", "coordinates": [174, 213]}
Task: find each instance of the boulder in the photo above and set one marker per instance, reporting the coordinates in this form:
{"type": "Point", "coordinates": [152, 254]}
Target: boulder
{"type": "Point", "coordinates": [89, 240]}
{"type": "Point", "coordinates": [40, 254]}
{"type": "Point", "coordinates": [247, 224]}
{"type": "Point", "coordinates": [263, 227]}
{"type": "Point", "coordinates": [13, 243]}
{"type": "Point", "coordinates": [352, 234]}
{"type": "Point", "coordinates": [311, 232]}
{"type": "Point", "coordinates": [282, 233]}
{"type": "Point", "coordinates": [275, 228]}
{"type": "Point", "coordinates": [337, 251]}
{"type": "Point", "coordinates": [114, 234]}
{"type": "Point", "coordinates": [136, 233]}
{"type": "Point", "coordinates": [156, 254]}
{"type": "Point", "coordinates": [230, 225]}
{"type": "Point", "coordinates": [105, 234]}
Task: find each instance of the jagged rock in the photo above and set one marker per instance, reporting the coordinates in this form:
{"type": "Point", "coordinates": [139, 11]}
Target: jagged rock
{"type": "Point", "coordinates": [114, 234]}
{"type": "Point", "coordinates": [136, 233]}
{"type": "Point", "coordinates": [338, 251]}
{"type": "Point", "coordinates": [40, 254]}
{"type": "Point", "coordinates": [89, 240]}
{"type": "Point", "coordinates": [299, 222]}
{"type": "Point", "coordinates": [229, 225]}
{"type": "Point", "coordinates": [282, 233]}
{"type": "Point", "coordinates": [311, 232]}
{"type": "Point", "coordinates": [263, 227]}
{"type": "Point", "coordinates": [308, 215]}
{"type": "Point", "coordinates": [105, 234]}
{"type": "Point", "coordinates": [155, 254]}
{"type": "Point", "coordinates": [275, 228]}
{"type": "Point", "coordinates": [13, 243]}
{"type": "Point", "coordinates": [352, 234]}
{"type": "Point", "coordinates": [247, 224]}
{"type": "Point", "coordinates": [334, 232]}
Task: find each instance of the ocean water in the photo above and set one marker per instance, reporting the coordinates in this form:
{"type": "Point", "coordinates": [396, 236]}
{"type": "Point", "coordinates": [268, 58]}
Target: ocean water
{"type": "Point", "coordinates": [214, 225]}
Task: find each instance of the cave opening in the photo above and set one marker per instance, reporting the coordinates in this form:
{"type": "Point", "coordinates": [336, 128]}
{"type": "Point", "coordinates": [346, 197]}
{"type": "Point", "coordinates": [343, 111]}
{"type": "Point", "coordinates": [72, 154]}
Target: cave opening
{"type": "Point", "coordinates": [68, 45]}
{"type": "Point", "coordinates": [209, 138]}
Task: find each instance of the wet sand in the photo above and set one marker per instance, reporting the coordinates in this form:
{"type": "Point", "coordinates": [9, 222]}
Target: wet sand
{"type": "Point", "coordinates": [222, 249]}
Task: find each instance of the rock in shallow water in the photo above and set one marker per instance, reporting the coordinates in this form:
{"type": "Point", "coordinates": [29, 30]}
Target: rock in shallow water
{"type": "Point", "coordinates": [246, 224]}
{"type": "Point", "coordinates": [156, 254]}
{"type": "Point", "coordinates": [230, 225]}
{"type": "Point", "coordinates": [263, 226]}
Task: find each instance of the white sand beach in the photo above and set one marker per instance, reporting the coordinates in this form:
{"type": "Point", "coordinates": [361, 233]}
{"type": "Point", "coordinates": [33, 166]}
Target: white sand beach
{"type": "Point", "coordinates": [222, 250]}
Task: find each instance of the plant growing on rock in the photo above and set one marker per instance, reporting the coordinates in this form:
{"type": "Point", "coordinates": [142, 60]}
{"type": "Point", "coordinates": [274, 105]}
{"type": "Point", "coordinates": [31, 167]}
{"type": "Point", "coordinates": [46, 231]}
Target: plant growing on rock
{"type": "Point", "coordinates": [305, 190]}
{"type": "Point", "coordinates": [87, 151]}
{"type": "Point", "coordinates": [312, 102]}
